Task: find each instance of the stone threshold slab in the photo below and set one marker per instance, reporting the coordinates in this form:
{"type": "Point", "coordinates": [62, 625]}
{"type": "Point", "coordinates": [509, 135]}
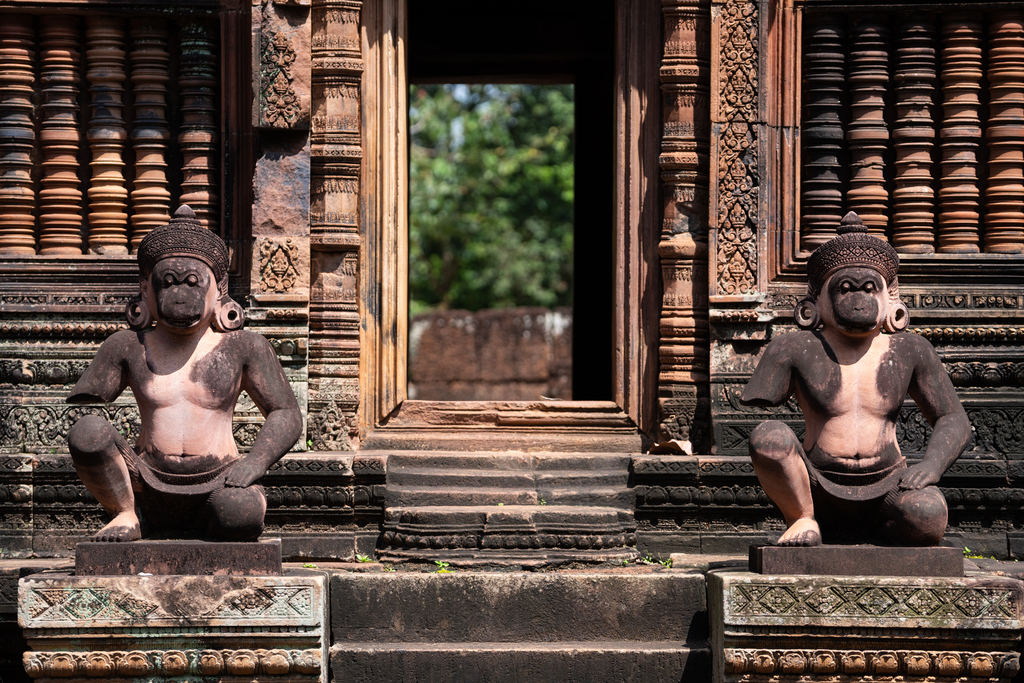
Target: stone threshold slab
{"type": "Point", "coordinates": [856, 560]}
{"type": "Point", "coordinates": [193, 558]}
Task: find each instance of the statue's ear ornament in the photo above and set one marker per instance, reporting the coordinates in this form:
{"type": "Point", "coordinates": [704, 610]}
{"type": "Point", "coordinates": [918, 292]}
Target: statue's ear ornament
{"type": "Point", "coordinates": [898, 317]}
{"type": "Point", "coordinates": [806, 314]}
{"type": "Point", "coordinates": [138, 314]}
{"type": "Point", "coordinates": [229, 316]}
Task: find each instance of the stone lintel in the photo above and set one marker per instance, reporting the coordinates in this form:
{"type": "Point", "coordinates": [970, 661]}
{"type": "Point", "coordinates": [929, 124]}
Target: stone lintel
{"type": "Point", "coordinates": [161, 628]}
{"type": "Point", "coordinates": [857, 560]}
{"type": "Point", "coordinates": [197, 558]}
{"type": "Point", "coordinates": [831, 628]}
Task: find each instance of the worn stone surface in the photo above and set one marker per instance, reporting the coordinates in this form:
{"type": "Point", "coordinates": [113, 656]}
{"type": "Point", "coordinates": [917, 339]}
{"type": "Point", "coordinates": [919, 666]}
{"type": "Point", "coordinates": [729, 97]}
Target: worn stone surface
{"type": "Point", "coordinates": [867, 628]}
{"type": "Point", "coordinates": [859, 560]}
{"type": "Point", "coordinates": [515, 626]}
{"type": "Point", "coordinates": [178, 557]}
{"type": "Point", "coordinates": [165, 627]}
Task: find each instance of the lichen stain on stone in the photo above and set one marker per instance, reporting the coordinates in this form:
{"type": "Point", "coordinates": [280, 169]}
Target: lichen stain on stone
{"type": "Point", "coordinates": [191, 597]}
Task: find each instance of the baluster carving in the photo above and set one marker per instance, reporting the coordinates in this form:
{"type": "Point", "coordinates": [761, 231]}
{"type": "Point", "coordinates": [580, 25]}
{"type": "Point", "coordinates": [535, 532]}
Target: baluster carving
{"type": "Point", "coordinates": [60, 200]}
{"type": "Point", "coordinates": [108, 197]}
{"type": "Point", "coordinates": [151, 199]}
{"type": "Point", "coordinates": [1004, 198]}
{"type": "Point", "coordinates": [914, 137]}
{"type": "Point", "coordinates": [685, 81]}
{"type": "Point", "coordinates": [960, 133]}
{"type": "Point", "coordinates": [824, 64]}
{"type": "Point", "coordinates": [198, 139]}
{"type": "Point", "coordinates": [17, 137]}
{"type": "Point", "coordinates": [868, 133]}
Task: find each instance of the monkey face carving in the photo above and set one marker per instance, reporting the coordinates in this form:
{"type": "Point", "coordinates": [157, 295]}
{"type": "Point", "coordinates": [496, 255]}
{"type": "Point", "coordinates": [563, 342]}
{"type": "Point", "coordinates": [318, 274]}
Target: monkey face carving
{"type": "Point", "coordinates": [182, 292]}
{"type": "Point", "coordinates": [855, 300]}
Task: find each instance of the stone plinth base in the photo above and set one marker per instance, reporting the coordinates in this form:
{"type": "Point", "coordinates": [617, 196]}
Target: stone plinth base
{"type": "Point", "coordinates": [825, 628]}
{"type": "Point", "coordinates": [164, 628]}
{"type": "Point", "coordinates": [856, 560]}
{"type": "Point", "coordinates": [178, 557]}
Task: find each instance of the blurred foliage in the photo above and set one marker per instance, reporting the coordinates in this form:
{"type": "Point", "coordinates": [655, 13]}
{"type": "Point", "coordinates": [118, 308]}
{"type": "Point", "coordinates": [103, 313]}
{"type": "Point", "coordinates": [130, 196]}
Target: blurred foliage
{"type": "Point", "coordinates": [491, 196]}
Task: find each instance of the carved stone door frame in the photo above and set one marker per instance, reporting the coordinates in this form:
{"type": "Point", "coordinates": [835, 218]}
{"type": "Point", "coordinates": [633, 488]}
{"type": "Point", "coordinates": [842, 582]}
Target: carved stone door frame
{"type": "Point", "coordinates": [387, 418]}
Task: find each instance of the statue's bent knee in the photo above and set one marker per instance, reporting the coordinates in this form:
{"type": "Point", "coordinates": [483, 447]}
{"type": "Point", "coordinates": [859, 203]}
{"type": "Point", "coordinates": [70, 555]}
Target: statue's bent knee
{"type": "Point", "coordinates": [90, 440]}
{"type": "Point", "coordinates": [236, 514]}
{"type": "Point", "coordinates": [918, 517]}
{"type": "Point", "coordinates": [774, 440]}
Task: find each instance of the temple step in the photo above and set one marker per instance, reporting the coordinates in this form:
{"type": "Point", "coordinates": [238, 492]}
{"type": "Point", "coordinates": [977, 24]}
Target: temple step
{"type": "Point", "coordinates": [519, 626]}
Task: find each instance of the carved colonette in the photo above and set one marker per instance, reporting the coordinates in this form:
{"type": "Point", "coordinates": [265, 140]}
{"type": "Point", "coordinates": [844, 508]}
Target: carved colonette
{"type": "Point", "coordinates": [685, 75]}
{"type": "Point", "coordinates": [337, 157]}
{"type": "Point", "coordinates": [119, 55]}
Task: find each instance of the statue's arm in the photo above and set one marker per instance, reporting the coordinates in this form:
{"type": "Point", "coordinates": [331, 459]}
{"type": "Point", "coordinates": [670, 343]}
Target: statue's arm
{"type": "Point", "coordinates": [771, 383]}
{"type": "Point", "coordinates": [263, 379]}
{"type": "Point", "coordinates": [107, 374]}
{"type": "Point", "coordinates": [934, 394]}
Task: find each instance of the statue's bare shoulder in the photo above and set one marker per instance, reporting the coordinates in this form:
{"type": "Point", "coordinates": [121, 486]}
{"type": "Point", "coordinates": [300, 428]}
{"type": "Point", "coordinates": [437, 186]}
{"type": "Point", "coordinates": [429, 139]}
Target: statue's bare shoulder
{"type": "Point", "coordinates": [108, 373]}
{"type": "Point", "coordinates": [787, 357]}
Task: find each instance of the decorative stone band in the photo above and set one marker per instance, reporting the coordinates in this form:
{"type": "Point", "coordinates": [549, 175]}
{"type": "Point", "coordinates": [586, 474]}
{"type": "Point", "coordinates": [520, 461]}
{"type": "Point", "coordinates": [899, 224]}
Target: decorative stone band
{"type": "Point", "coordinates": [750, 664]}
{"type": "Point", "coordinates": [248, 663]}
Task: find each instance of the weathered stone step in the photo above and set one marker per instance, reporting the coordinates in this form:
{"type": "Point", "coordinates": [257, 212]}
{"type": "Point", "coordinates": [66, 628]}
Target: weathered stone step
{"type": "Point", "coordinates": [563, 662]}
{"type": "Point", "coordinates": [416, 496]}
{"type": "Point", "coordinates": [518, 607]}
{"type": "Point", "coordinates": [433, 476]}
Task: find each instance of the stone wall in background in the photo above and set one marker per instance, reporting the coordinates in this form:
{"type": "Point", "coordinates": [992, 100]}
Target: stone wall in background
{"type": "Point", "coordinates": [510, 354]}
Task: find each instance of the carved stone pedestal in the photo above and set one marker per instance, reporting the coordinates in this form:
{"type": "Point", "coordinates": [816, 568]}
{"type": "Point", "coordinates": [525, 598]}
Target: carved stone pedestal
{"type": "Point", "coordinates": [164, 628]}
{"type": "Point", "coordinates": [826, 628]}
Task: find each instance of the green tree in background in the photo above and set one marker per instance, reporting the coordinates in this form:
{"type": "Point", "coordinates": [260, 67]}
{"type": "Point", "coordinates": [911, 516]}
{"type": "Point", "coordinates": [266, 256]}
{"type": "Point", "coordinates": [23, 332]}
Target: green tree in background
{"type": "Point", "coordinates": [491, 193]}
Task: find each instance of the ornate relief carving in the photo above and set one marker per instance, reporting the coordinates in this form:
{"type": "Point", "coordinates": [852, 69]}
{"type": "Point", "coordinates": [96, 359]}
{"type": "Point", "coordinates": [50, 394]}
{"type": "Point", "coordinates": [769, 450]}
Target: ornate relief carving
{"type": "Point", "coordinates": [119, 664]}
{"type": "Point", "coordinates": [743, 664]}
{"type": "Point", "coordinates": [737, 146]}
{"type": "Point", "coordinates": [279, 105]}
{"type": "Point", "coordinates": [277, 266]}
{"type": "Point", "coordinates": [36, 372]}
{"type": "Point", "coordinates": [29, 428]}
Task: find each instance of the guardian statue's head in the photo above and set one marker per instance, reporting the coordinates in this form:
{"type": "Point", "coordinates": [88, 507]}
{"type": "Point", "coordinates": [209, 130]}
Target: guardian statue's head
{"type": "Point", "coordinates": [183, 278]}
{"type": "Point", "coordinates": [852, 284]}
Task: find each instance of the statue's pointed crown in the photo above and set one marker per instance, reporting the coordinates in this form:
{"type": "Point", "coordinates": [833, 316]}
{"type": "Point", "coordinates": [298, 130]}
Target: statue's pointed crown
{"type": "Point", "coordinates": [852, 247]}
{"type": "Point", "coordinates": [184, 236]}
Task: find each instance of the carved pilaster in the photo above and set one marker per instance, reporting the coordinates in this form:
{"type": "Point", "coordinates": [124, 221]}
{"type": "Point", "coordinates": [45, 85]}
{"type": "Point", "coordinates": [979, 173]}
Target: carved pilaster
{"type": "Point", "coordinates": [151, 199]}
{"type": "Point", "coordinates": [824, 66]}
{"type": "Point", "coordinates": [734, 235]}
{"type": "Point", "coordinates": [867, 133]}
{"type": "Point", "coordinates": [914, 137]}
{"type": "Point", "coordinates": [198, 140]}
{"type": "Point", "coordinates": [17, 197]}
{"type": "Point", "coordinates": [1004, 198]}
{"type": "Point", "coordinates": [60, 200]}
{"type": "Point", "coordinates": [108, 198]}
{"type": "Point", "coordinates": [334, 225]}
{"type": "Point", "coordinates": [960, 133]}
{"type": "Point", "coordinates": [683, 351]}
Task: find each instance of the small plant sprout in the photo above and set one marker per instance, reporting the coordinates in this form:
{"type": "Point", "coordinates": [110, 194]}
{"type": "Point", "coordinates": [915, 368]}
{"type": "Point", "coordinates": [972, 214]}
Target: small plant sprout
{"type": "Point", "coordinates": [442, 567]}
{"type": "Point", "coordinates": [309, 565]}
{"type": "Point", "coordinates": [363, 558]}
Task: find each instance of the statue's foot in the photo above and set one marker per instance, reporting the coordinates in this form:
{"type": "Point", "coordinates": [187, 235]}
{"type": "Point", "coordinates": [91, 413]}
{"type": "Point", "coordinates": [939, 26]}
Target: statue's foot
{"type": "Point", "coordinates": [803, 532]}
{"type": "Point", "coordinates": [124, 527]}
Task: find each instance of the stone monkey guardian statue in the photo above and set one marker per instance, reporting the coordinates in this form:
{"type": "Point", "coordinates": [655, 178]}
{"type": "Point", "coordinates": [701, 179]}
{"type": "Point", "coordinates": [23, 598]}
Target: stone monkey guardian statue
{"type": "Point", "coordinates": [851, 367]}
{"type": "Point", "coordinates": [184, 475]}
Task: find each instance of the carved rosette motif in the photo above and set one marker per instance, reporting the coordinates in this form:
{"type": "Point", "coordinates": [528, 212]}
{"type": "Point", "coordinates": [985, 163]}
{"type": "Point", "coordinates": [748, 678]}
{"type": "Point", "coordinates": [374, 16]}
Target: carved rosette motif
{"type": "Point", "coordinates": [914, 137]}
{"type": "Point", "coordinates": [279, 105]}
{"type": "Point", "coordinates": [17, 136]}
{"type": "Point", "coordinates": [1004, 197]}
{"type": "Point", "coordinates": [60, 200]}
{"type": "Point", "coordinates": [198, 139]}
{"type": "Point", "coordinates": [736, 146]}
{"type": "Point", "coordinates": [685, 76]}
{"type": "Point", "coordinates": [299, 665]}
{"type": "Point", "coordinates": [824, 76]}
{"type": "Point", "coordinates": [149, 56]}
{"type": "Point", "coordinates": [336, 156]}
{"type": "Point", "coordinates": [107, 134]}
{"type": "Point", "coordinates": [960, 134]}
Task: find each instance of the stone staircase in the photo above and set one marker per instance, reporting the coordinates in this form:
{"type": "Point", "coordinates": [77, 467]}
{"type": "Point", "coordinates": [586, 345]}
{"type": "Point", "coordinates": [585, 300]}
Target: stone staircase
{"type": "Point", "coordinates": [508, 508]}
{"type": "Point", "coordinates": [589, 626]}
